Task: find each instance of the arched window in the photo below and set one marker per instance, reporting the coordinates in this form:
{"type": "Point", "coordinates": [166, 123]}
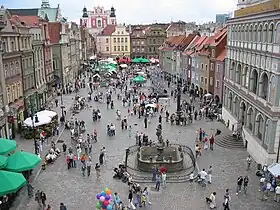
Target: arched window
{"type": "Point", "coordinates": [264, 34]}
{"type": "Point", "coordinates": [271, 33]}
{"type": "Point", "coordinates": [260, 33]}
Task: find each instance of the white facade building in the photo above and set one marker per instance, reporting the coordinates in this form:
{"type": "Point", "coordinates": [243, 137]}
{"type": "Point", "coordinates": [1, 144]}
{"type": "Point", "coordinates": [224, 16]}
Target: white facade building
{"type": "Point", "coordinates": [252, 82]}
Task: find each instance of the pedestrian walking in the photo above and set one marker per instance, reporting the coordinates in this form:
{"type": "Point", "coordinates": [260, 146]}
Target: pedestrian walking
{"type": "Point", "coordinates": [43, 198]}
{"type": "Point", "coordinates": [245, 184]}
{"type": "Point", "coordinates": [97, 170]}
{"type": "Point", "coordinates": [88, 164]}
{"type": "Point", "coordinates": [249, 161]}
{"type": "Point", "coordinates": [226, 200]}
{"type": "Point", "coordinates": [38, 198]}
{"type": "Point", "coordinates": [209, 174]}
{"type": "Point", "coordinates": [158, 181]}
{"type": "Point", "coordinates": [163, 177]}
{"type": "Point", "coordinates": [211, 141]}
{"type": "Point", "coordinates": [239, 184]}
{"type": "Point", "coordinates": [277, 194]}
{"type": "Point", "coordinates": [130, 200]}
{"type": "Point", "coordinates": [191, 178]}
{"type": "Point", "coordinates": [83, 169]}
{"type": "Point", "coordinates": [62, 207]}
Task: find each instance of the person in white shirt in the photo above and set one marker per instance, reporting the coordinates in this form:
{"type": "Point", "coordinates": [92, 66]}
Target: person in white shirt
{"type": "Point", "coordinates": [163, 177]}
{"type": "Point", "coordinates": [262, 182]}
{"type": "Point", "coordinates": [212, 200]}
{"type": "Point", "coordinates": [277, 194]}
{"type": "Point", "coordinates": [191, 177]}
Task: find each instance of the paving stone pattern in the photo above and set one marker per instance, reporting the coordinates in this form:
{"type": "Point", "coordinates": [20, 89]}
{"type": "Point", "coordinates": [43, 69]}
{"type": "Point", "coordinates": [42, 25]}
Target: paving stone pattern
{"type": "Point", "coordinates": [78, 192]}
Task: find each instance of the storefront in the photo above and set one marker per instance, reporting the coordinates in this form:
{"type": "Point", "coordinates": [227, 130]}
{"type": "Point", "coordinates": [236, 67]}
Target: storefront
{"type": "Point", "coordinates": [16, 117]}
{"type": "Point", "coordinates": [3, 127]}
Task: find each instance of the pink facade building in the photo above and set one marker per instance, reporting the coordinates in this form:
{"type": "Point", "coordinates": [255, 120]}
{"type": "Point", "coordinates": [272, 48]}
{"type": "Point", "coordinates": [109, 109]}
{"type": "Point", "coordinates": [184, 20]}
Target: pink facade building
{"type": "Point", "coordinates": [98, 18]}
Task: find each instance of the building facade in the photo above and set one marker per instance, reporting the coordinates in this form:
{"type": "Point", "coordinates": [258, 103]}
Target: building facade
{"type": "Point", "coordinates": [11, 55]}
{"type": "Point", "coordinates": [98, 18]}
{"type": "Point", "coordinates": [155, 38]}
{"type": "Point", "coordinates": [176, 29]}
{"type": "Point", "coordinates": [251, 85]}
{"type": "Point", "coordinates": [4, 127]}
{"type": "Point", "coordinates": [222, 18]}
{"type": "Point", "coordinates": [219, 76]}
{"type": "Point", "coordinates": [120, 42]}
{"type": "Point", "coordinates": [138, 42]}
{"type": "Point", "coordinates": [104, 42]}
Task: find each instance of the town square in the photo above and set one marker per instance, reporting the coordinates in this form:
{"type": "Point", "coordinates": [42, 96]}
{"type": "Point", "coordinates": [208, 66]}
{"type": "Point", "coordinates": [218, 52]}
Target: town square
{"type": "Point", "coordinates": [112, 113]}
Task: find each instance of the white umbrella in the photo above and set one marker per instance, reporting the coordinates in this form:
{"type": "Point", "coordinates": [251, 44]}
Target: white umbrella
{"type": "Point", "coordinates": [123, 65]}
{"type": "Point", "coordinates": [96, 75]}
{"type": "Point", "coordinates": [208, 95]}
{"type": "Point", "coordinates": [151, 105]}
{"type": "Point", "coordinates": [43, 120]}
{"type": "Point", "coordinates": [113, 62]}
{"type": "Point", "coordinates": [47, 113]}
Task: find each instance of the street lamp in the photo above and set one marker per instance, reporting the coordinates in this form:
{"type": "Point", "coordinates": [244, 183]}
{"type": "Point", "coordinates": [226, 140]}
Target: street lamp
{"type": "Point", "coordinates": [34, 120]}
{"type": "Point", "coordinates": [179, 113]}
{"type": "Point", "coordinates": [126, 157]}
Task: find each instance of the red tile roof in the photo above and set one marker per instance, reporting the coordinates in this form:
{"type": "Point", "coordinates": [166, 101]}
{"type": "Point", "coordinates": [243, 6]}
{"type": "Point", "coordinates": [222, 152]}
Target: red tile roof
{"type": "Point", "coordinates": [191, 49]}
{"type": "Point", "coordinates": [108, 30]}
{"type": "Point", "coordinates": [30, 20]}
{"type": "Point", "coordinates": [219, 36]}
{"type": "Point", "coordinates": [54, 32]}
{"type": "Point", "coordinates": [222, 55]}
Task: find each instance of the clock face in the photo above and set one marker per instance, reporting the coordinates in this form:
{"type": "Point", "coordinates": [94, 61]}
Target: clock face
{"type": "Point", "coordinates": [98, 10]}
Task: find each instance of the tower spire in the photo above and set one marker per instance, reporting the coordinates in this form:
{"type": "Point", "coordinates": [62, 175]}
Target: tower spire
{"type": "Point", "coordinates": [45, 4]}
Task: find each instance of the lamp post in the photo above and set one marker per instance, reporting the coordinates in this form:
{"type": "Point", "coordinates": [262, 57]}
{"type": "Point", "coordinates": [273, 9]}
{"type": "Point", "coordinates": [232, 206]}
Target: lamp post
{"type": "Point", "coordinates": [34, 119]}
{"type": "Point", "coordinates": [126, 157]}
{"type": "Point", "coordinates": [179, 113]}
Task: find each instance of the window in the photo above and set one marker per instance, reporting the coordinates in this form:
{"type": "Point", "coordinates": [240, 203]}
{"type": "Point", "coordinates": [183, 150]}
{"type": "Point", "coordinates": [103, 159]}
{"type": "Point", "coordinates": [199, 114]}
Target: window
{"type": "Point", "coordinates": [107, 49]}
{"type": "Point", "coordinates": [121, 39]}
{"type": "Point", "coordinates": [119, 48]}
{"type": "Point", "coordinates": [118, 40]}
{"type": "Point", "coordinates": [107, 40]}
{"type": "Point", "coordinates": [154, 41]}
{"type": "Point", "coordinates": [114, 40]}
{"type": "Point", "coordinates": [206, 67]}
{"type": "Point", "coordinates": [143, 49]}
{"type": "Point", "coordinates": [12, 46]}
{"type": "Point", "coordinates": [213, 53]}
{"type": "Point", "coordinates": [133, 49]}
{"type": "Point", "coordinates": [217, 84]}
{"type": "Point", "coordinates": [150, 49]}
{"type": "Point", "coordinates": [8, 94]}
{"type": "Point", "coordinates": [122, 32]}
{"type": "Point", "coordinates": [125, 39]}
{"type": "Point", "coordinates": [25, 43]}
{"type": "Point", "coordinates": [205, 80]}
{"type": "Point", "coordinates": [218, 68]}
{"type": "Point", "coordinates": [115, 48]}
{"type": "Point", "coordinates": [211, 81]}
{"type": "Point", "coordinates": [201, 80]}
{"type": "Point", "coordinates": [122, 48]}
{"type": "Point", "coordinates": [18, 90]}
{"type": "Point", "coordinates": [125, 48]}
{"type": "Point", "coordinates": [212, 66]}
{"type": "Point", "coordinates": [138, 42]}
{"type": "Point", "coordinates": [202, 66]}
{"type": "Point", "coordinates": [99, 24]}
{"type": "Point", "coordinates": [142, 42]}
{"type": "Point", "coordinates": [6, 70]}
{"type": "Point", "coordinates": [17, 67]}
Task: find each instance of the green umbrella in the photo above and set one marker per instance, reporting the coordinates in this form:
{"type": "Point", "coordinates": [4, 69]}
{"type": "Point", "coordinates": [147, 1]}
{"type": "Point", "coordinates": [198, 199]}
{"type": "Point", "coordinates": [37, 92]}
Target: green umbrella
{"type": "Point", "coordinates": [10, 182]}
{"type": "Point", "coordinates": [7, 146]}
{"type": "Point", "coordinates": [22, 161]}
{"type": "Point", "coordinates": [113, 65]}
{"type": "Point", "coordinates": [145, 60]}
{"type": "Point", "coordinates": [136, 60]}
{"type": "Point", "coordinates": [139, 79]}
{"type": "Point", "coordinates": [3, 161]}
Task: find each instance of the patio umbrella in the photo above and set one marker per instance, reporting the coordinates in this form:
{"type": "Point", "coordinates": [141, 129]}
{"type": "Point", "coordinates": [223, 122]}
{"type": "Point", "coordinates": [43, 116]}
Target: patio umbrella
{"type": "Point", "coordinates": [22, 161]}
{"type": "Point", "coordinates": [139, 79]}
{"type": "Point", "coordinates": [7, 145]}
{"type": "Point", "coordinates": [113, 65]}
{"type": "Point", "coordinates": [123, 65]}
{"type": "Point", "coordinates": [136, 60]}
{"type": "Point", "coordinates": [145, 60]}
{"type": "Point", "coordinates": [3, 161]}
{"type": "Point", "coordinates": [10, 182]}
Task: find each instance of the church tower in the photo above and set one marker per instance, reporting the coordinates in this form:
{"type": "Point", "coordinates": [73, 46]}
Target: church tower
{"type": "Point", "coordinates": [45, 4]}
{"type": "Point", "coordinates": [85, 16]}
{"type": "Point", "coordinates": [113, 18]}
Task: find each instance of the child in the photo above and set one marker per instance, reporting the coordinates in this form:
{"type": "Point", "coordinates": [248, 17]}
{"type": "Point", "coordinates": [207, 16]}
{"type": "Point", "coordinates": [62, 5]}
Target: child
{"type": "Point", "coordinates": [144, 199]}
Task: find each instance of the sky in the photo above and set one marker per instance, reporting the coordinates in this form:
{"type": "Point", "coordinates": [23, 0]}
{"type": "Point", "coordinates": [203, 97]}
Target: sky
{"type": "Point", "coordinates": [139, 11]}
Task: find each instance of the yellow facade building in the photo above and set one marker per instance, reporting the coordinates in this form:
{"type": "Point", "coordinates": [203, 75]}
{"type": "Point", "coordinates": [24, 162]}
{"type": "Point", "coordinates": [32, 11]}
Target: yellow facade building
{"type": "Point", "coordinates": [120, 42]}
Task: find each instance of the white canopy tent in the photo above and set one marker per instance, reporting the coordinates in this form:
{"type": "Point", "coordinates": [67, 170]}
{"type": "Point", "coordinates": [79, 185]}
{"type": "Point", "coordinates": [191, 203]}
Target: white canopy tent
{"type": "Point", "coordinates": [47, 113]}
{"type": "Point", "coordinates": [274, 169]}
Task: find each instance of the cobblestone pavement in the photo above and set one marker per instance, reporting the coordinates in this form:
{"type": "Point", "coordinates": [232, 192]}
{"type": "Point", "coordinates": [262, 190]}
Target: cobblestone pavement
{"type": "Point", "coordinates": [78, 192]}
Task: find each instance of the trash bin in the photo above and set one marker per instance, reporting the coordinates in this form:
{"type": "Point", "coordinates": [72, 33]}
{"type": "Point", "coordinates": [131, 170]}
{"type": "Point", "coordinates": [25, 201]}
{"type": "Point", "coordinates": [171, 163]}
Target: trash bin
{"type": "Point", "coordinates": [259, 166]}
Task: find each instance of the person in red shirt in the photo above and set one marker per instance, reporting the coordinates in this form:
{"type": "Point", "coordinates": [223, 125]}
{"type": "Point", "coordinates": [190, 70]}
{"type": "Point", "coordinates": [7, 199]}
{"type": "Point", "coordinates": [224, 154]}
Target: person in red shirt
{"type": "Point", "coordinates": [162, 169]}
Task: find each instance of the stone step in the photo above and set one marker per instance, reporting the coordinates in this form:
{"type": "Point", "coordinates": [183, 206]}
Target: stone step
{"type": "Point", "coordinates": [229, 142]}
